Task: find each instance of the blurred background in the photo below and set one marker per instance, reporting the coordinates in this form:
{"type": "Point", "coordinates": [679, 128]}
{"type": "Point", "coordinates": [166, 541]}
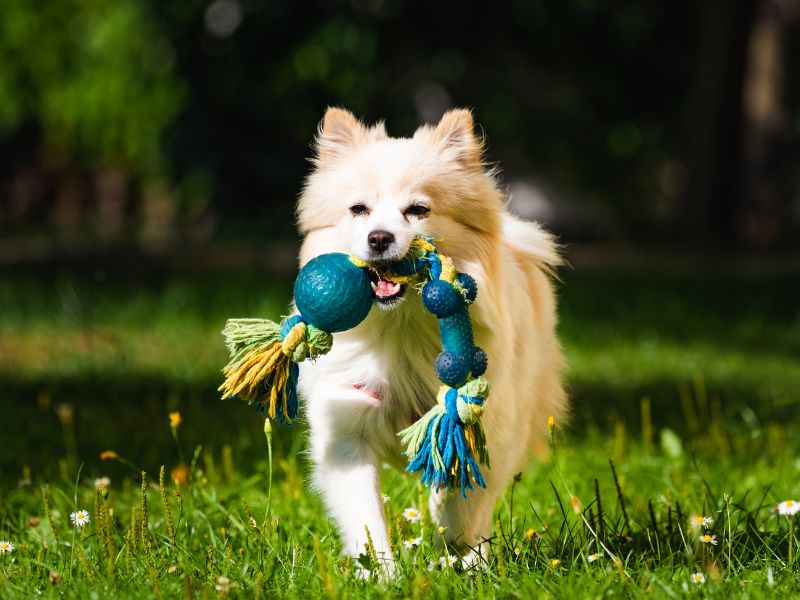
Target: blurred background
{"type": "Point", "coordinates": [151, 154]}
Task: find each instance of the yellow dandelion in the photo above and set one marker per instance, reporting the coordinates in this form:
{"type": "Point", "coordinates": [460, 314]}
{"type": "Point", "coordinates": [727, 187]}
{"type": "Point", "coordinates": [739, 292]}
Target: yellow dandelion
{"type": "Point", "coordinates": [532, 534]}
{"type": "Point", "coordinates": [180, 475]}
{"type": "Point", "coordinates": [175, 419]}
{"type": "Point", "coordinates": [108, 455]}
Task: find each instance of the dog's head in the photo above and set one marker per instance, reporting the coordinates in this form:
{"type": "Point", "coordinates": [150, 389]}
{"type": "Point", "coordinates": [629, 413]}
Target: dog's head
{"type": "Point", "coordinates": [370, 194]}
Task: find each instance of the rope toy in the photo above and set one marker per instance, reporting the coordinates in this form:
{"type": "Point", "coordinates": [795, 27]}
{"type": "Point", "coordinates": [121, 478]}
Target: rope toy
{"type": "Point", "coordinates": [333, 293]}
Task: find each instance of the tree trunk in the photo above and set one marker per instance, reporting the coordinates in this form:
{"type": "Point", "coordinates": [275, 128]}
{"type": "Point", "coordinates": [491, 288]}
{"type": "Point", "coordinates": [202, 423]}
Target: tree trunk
{"type": "Point", "coordinates": [763, 220]}
{"type": "Point", "coordinates": [716, 120]}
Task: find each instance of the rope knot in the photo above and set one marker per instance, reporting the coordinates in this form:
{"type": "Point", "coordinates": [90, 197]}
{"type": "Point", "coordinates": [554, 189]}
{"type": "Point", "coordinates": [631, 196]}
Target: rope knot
{"type": "Point", "coordinates": [471, 397]}
{"type": "Point", "coordinates": [301, 340]}
{"type": "Point", "coordinates": [294, 343]}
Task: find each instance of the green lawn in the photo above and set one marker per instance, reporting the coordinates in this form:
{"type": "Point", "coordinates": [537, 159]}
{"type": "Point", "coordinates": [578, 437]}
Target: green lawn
{"type": "Point", "coordinates": [687, 382]}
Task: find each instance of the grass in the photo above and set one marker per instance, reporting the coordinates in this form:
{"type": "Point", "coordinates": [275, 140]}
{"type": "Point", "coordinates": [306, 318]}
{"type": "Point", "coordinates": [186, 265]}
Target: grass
{"type": "Point", "coordinates": [687, 385]}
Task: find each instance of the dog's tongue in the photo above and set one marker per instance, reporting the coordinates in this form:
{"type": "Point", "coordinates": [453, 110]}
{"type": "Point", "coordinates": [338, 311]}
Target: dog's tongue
{"type": "Point", "coordinates": [385, 288]}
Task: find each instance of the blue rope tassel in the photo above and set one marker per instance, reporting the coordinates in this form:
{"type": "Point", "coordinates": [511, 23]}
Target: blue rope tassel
{"type": "Point", "coordinates": [449, 462]}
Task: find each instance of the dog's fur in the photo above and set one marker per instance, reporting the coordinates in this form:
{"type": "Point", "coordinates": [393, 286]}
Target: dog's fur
{"type": "Point", "coordinates": [379, 377]}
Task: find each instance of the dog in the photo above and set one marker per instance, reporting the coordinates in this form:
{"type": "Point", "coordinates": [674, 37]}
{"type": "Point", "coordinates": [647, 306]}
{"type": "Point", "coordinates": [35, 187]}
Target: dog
{"type": "Point", "coordinates": [370, 195]}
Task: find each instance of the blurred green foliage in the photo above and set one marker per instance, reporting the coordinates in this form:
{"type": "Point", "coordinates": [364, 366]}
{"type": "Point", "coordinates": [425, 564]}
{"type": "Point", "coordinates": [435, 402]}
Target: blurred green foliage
{"type": "Point", "coordinates": [224, 97]}
{"type": "Point", "coordinates": [221, 98]}
{"type": "Point", "coordinates": [96, 78]}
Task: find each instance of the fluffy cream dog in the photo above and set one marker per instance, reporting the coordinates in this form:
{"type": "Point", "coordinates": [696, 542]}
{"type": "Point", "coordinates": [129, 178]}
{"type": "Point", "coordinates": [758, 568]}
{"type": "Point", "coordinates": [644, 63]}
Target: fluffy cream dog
{"type": "Point", "coordinates": [370, 195]}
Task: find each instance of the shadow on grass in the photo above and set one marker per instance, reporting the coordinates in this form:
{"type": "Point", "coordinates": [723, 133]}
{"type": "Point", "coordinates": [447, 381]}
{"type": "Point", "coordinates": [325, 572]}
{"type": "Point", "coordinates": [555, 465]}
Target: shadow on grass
{"type": "Point", "coordinates": [721, 347]}
{"type": "Point", "coordinates": [130, 416]}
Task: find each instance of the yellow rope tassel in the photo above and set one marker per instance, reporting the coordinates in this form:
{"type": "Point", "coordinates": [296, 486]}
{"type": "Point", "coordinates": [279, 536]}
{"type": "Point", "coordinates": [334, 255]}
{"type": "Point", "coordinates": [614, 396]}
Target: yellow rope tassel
{"type": "Point", "coordinates": [295, 337]}
{"type": "Point", "coordinates": [278, 390]}
{"type": "Point", "coordinates": [448, 269]}
{"type": "Point", "coordinates": [246, 376]}
{"type": "Point", "coordinates": [269, 363]}
{"type": "Point", "coordinates": [455, 468]}
{"type": "Point", "coordinates": [469, 435]}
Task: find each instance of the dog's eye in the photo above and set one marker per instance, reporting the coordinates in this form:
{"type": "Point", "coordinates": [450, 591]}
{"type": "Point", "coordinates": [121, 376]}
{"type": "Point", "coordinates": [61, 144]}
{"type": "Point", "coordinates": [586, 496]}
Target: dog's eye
{"type": "Point", "coordinates": [358, 210]}
{"type": "Point", "coordinates": [417, 210]}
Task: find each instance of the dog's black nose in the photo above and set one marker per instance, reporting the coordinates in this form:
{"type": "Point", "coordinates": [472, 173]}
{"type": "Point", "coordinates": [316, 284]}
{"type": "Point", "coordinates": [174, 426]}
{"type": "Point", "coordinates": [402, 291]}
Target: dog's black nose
{"type": "Point", "coordinates": [380, 240]}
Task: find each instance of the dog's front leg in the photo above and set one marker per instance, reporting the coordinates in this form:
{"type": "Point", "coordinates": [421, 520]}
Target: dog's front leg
{"type": "Point", "coordinates": [346, 473]}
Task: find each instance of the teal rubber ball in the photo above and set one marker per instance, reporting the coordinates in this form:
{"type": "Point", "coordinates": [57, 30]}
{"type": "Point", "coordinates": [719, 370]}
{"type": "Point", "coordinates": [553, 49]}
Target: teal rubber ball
{"type": "Point", "coordinates": [451, 368]}
{"type": "Point", "coordinates": [441, 298]}
{"type": "Point", "coordinates": [332, 293]}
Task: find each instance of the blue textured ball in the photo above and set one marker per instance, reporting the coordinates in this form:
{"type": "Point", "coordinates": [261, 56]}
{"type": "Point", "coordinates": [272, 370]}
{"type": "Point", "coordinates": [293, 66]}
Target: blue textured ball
{"type": "Point", "coordinates": [332, 293]}
{"type": "Point", "coordinates": [440, 298]}
{"type": "Point", "coordinates": [451, 368]}
{"type": "Point", "coordinates": [479, 362]}
{"type": "Point", "coordinates": [468, 283]}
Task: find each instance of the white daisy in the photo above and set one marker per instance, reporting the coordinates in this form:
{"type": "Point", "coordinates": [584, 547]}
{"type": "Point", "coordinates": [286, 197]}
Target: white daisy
{"type": "Point", "coordinates": [223, 585]}
{"type": "Point", "coordinates": [448, 561]}
{"type": "Point", "coordinates": [412, 515]}
{"type": "Point", "coordinates": [699, 521]}
{"type": "Point", "coordinates": [80, 517]}
{"type": "Point", "coordinates": [102, 482]}
{"type": "Point", "coordinates": [412, 543]}
{"type": "Point", "coordinates": [593, 557]}
{"type": "Point", "coordinates": [6, 547]}
{"type": "Point", "coordinates": [788, 508]}
{"type": "Point", "coordinates": [698, 578]}
{"type": "Point", "coordinates": [708, 539]}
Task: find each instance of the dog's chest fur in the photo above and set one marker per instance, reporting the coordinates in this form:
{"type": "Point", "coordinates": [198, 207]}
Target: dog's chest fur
{"type": "Point", "coordinates": [384, 369]}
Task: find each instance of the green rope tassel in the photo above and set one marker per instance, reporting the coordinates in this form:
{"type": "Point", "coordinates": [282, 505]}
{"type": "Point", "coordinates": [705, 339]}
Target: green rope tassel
{"type": "Point", "coordinates": [263, 366]}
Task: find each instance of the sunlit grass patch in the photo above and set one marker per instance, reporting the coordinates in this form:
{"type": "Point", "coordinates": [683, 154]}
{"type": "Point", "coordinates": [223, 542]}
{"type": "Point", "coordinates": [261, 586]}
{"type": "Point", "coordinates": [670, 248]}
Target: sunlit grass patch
{"type": "Point", "coordinates": [596, 513]}
{"type": "Point", "coordinates": [683, 428]}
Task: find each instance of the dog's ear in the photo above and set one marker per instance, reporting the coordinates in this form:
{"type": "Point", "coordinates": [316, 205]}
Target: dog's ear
{"type": "Point", "coordinates": [339, 131]}
{"type": "Point", "coordinates": [455, 137]}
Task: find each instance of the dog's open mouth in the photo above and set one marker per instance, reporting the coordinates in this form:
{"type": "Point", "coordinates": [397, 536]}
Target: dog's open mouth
{"type": "Point", "coordinates": [385, 291]}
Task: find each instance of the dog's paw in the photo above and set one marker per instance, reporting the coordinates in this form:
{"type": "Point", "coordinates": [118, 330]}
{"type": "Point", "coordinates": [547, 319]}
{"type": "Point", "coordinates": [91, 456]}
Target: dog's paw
{"type": "Point", "coordinates": [476, 559]}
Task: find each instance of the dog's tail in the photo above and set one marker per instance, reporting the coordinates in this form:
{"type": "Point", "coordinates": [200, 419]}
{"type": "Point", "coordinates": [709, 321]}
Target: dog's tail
{"type": "Point", "coordinates": [532, 242]}
{"type": "Point", "coordinates": [534, 246]}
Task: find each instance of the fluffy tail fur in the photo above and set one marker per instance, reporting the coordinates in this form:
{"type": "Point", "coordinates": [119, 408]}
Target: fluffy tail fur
{"type": "Point", "coordinates": [531, 241]}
